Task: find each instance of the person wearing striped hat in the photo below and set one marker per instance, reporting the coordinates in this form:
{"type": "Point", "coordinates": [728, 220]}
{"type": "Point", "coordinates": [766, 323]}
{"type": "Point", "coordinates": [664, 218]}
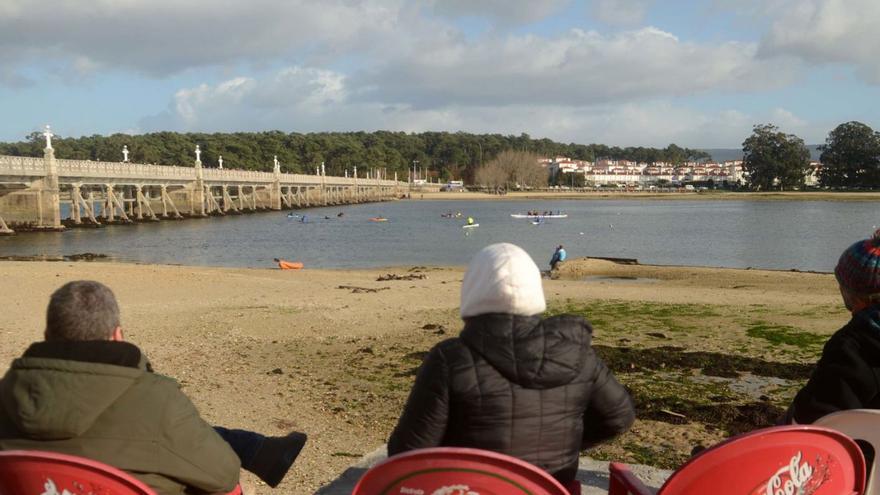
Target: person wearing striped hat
{"type": "Point", "coordinates": [846, 375]}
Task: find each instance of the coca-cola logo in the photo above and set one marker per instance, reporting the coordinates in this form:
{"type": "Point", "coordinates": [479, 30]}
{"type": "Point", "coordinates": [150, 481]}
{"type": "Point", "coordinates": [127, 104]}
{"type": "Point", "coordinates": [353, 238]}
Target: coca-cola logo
{"type": "Point", "coordinates": [798, 477]}
{"type": "Point", "coordinates": [454, 490]}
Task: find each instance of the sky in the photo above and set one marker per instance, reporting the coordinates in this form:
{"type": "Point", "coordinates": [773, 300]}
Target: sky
{"type": "Point", "coordinates": [620, 72]}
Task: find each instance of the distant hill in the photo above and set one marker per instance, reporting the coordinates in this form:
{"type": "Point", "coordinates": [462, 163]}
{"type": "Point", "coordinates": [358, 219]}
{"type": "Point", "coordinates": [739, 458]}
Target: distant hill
{"type": "Point", "coordinates": [727, 154]}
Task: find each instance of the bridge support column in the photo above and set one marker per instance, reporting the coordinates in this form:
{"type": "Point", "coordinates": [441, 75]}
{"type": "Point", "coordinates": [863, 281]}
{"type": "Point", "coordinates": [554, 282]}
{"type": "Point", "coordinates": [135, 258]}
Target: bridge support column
{"type": "Point", "coordinates": [143, 204]}
{"type": "Point", "coordinates": [78, 204]}
{"type": "Point", "coordinates": [211, 204]}
{"type": "Point", "coordinates": [4, 229]}
{"type": "Point", "coordinates": [228, 204]}
{"type": "Point", "coordinates": [113, 202]}
{"type": "Point", "coordinates": [166, 200]}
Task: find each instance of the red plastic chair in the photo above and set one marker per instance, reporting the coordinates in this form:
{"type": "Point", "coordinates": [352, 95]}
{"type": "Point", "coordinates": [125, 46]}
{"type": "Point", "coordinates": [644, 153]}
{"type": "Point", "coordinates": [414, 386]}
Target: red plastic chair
{"type": "Point", "coordinates": [37, 472]}
{"type": "Point", "coordinates": [864, 425]}
{"type": "Point", "coordinates": [457, 471]}
{"type": "Point", "coordinates": [772, 461]}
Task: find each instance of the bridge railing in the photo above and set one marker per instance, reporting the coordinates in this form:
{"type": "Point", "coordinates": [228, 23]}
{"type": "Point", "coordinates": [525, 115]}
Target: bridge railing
{"type": "Point", "coordinates": [22, 165]}
{"type": "Point", "coordinates": [120, 170]}
{"type": "Point", "coordinates": [232, 175]}
{"type": "Point", "coordinates": [36, 167]}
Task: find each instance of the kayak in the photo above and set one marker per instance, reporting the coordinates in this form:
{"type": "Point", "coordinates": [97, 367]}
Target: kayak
{"type": "Point", "coordinates": [471, 226]}
{"type": "Point", "coordinates": [378, 219]}
{"type": "Point", "coordinates": [520, 215]}
{"type": "Point", "coordinates": [289, 265]}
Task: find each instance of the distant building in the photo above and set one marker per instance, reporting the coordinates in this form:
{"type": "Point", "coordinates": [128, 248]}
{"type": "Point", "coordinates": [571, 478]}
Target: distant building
{"type": "Point", "coordinates": [625, 173]}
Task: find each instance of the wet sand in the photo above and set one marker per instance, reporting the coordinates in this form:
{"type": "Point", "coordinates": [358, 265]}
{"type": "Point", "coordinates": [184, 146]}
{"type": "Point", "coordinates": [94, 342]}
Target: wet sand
{"type": "Point", "coordinates": [274, 350]}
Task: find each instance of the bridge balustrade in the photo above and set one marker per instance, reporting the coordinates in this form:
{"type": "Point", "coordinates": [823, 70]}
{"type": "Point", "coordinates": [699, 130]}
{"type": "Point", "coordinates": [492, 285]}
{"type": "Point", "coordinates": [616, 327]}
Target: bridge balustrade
{"type": "Point", "coordinates": [22, 166]}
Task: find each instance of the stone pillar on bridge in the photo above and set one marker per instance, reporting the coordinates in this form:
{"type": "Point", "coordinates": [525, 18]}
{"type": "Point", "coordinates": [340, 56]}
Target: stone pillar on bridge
{"type": "Point", "coordinates": [38, 206]}
{"type": "Point", "coordinates": [50, 200]}
{"type": "Point", "coordinates": [275, 191]}
{"type": "Point", "coordinates": [357, 193]}
{"type": "Point", "coordinates": [323, 185]}
{"type": "Point", "coordinates": [197, 195]}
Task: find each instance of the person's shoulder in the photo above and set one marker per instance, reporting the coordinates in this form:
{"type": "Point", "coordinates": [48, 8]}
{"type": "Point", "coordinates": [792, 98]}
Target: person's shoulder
{"type": "Point", "coordinates": [159, 384]}
{"type": "Point", "coordinates": [448, 346]}
{"type": "Point", "coordinates": [566, 321]}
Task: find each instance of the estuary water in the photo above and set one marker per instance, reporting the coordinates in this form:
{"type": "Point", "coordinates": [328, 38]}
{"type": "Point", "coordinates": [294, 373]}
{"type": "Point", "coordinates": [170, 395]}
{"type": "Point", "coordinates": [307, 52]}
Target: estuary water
{"type": "Point", "coordinates": [804, 235]}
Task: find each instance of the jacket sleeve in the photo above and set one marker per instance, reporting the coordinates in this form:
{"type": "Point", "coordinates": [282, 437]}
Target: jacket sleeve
{"type": "Point", "coordinates": [195, 454]}
{"type": "Point", "coordinates": [842, 380]}
{"type": "Point", "coordinates": [610, 411]}
{"type": "Point", "coordinates": [424, 418]}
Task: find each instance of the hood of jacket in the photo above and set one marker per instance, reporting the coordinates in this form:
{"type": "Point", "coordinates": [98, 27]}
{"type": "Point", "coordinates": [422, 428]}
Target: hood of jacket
{"type": "Point", "coordinates": [57, 390]}
{"type": "Point", "coordinates": [502, 278]}
{"type": "Point", "coordinates": [528, 350]}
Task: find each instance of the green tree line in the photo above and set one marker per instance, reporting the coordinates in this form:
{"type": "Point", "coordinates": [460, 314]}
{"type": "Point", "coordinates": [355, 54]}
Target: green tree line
{"type": "Point", "coordinates": [445, 155]}
{"type": "Point", "coordinates": [850, 158]}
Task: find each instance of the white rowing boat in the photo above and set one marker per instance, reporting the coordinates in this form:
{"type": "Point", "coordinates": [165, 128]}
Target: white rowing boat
{"type": "Point", "coordinates": [471, 226]}
{"type": "Point", "coordinates": [520, 215]}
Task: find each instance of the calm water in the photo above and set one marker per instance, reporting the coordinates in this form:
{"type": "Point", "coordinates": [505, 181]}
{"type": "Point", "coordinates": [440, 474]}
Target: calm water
{"type": "Point", "coordinates": [807, 235]}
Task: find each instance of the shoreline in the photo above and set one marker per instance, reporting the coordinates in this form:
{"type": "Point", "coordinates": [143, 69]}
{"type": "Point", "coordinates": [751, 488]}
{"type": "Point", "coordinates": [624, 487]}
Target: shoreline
{"type": "Point", "coordinates": [103, 258]}
{"type": "Point", "coordinates": [333, 352]}
{"type": "Point", "coordinates": [648, 195]}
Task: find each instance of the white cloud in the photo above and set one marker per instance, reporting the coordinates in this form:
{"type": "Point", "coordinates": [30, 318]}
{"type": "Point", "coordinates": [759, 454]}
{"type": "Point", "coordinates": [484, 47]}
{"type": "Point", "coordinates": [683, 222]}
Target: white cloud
{"type": "Point", "coordinates": [309, 100]}
{"type": "Point", "coordinates": [829, 31]}
{"type": "Point", "coordinates": [786, 119]}
{"type": "Point", "coordinates": [620, 12]}
{"type": "Point", "coordinates": [161, 37]}
{"type": "Point", "coordinates": [571, 68]}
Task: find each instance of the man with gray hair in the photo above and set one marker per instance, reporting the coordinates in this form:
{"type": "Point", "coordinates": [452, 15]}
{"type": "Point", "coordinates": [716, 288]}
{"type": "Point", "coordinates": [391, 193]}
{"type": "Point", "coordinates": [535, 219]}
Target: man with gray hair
{"type": "Point", "coordinates": [85, 391]}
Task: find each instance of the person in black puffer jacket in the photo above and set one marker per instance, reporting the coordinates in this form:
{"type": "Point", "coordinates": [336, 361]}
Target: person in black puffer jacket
{"type": "Point", "coordinates": [513, 382]}
{"type": "Point", "coordinates": [847, 375]}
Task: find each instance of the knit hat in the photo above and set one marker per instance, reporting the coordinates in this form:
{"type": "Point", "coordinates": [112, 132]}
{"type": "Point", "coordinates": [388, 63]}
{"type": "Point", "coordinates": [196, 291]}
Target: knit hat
{"type": "Point", "coordinates": [859, 266]}
{"type": "Point", "coordinates": [502, 278]}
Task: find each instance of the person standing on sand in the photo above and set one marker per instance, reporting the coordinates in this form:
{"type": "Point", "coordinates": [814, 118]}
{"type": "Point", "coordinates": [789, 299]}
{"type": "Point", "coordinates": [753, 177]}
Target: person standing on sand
{"type": "Point", "coordinates": [512, 381]}
{"type": "Point", "coordinates": [85, 391]}
{"type": "Point", "coordinates": [846, 376]}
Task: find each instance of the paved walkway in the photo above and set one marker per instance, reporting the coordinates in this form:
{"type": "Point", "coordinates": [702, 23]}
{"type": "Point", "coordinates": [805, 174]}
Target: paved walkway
{"type": "Point", "coordinates": [592, 474]}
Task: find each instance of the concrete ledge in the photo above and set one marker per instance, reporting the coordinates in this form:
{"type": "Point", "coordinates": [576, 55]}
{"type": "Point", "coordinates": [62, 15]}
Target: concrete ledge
{"type": "Point", "coordinates": [592, 474]}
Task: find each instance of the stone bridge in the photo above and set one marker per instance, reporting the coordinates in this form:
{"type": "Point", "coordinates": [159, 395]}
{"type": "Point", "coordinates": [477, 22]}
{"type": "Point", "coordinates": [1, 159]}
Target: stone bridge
{"type": "Point", "coordinates": [47, 193]}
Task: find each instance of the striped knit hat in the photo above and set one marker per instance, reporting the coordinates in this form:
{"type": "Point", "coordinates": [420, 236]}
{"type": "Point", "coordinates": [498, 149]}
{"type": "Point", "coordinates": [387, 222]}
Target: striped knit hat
{"type": "Point", "coordinates": [859, 266]}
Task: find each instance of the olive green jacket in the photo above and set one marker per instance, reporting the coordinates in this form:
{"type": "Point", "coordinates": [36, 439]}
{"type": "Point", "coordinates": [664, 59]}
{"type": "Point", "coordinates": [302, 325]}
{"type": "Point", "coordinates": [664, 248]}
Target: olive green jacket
{"type": "Point", "coordinates": [100, 400]}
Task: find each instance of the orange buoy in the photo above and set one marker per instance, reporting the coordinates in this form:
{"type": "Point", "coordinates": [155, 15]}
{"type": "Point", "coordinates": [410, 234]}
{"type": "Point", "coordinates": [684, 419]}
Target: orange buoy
{"type": "Point", "coordinates": [290, 265]}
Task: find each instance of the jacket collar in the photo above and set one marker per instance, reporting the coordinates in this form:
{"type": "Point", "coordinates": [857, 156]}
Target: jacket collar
{"type": "Point", "coordinates": [91, 351]}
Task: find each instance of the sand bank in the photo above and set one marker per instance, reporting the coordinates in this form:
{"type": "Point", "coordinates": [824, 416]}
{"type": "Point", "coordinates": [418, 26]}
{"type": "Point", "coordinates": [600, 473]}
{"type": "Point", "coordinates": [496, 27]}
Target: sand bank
{"type": "Point", "coordinates": [274, 351]}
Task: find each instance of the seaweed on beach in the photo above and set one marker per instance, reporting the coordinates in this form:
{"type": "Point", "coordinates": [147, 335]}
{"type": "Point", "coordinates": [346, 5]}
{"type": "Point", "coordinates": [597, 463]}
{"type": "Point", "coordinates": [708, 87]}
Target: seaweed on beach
{"type": "Point", "coordinates": [732, 418]}
{"type": "Point", "coordinates": [627, 360]}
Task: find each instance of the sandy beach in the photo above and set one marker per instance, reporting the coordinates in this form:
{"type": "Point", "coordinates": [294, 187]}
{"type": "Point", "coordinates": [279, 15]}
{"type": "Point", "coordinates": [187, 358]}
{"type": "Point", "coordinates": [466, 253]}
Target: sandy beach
{"type": "Point", "coordinates": [333, 352]}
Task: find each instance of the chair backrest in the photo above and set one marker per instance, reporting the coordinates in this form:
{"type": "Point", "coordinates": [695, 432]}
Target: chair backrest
{"type": "Point", "coordinates": [774, 461]}
{"type": "Point", "coordinates": [456, 471]}
{"type": "Point", "coordinates": [859, 424]}
{"type": "Point", "coordinates": [31, 472]}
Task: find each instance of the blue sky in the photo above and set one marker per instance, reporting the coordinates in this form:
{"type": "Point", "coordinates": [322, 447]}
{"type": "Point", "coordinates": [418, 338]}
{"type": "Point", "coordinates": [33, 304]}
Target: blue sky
{"type": "Point", "coordinates": [620, 72]}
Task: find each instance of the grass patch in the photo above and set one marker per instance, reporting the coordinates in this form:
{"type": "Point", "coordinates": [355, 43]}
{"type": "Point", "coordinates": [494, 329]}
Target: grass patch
{"type": "Point", "coordinates": [784, 334]}
{"type": "Point", "coordinates": [662, 456]}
